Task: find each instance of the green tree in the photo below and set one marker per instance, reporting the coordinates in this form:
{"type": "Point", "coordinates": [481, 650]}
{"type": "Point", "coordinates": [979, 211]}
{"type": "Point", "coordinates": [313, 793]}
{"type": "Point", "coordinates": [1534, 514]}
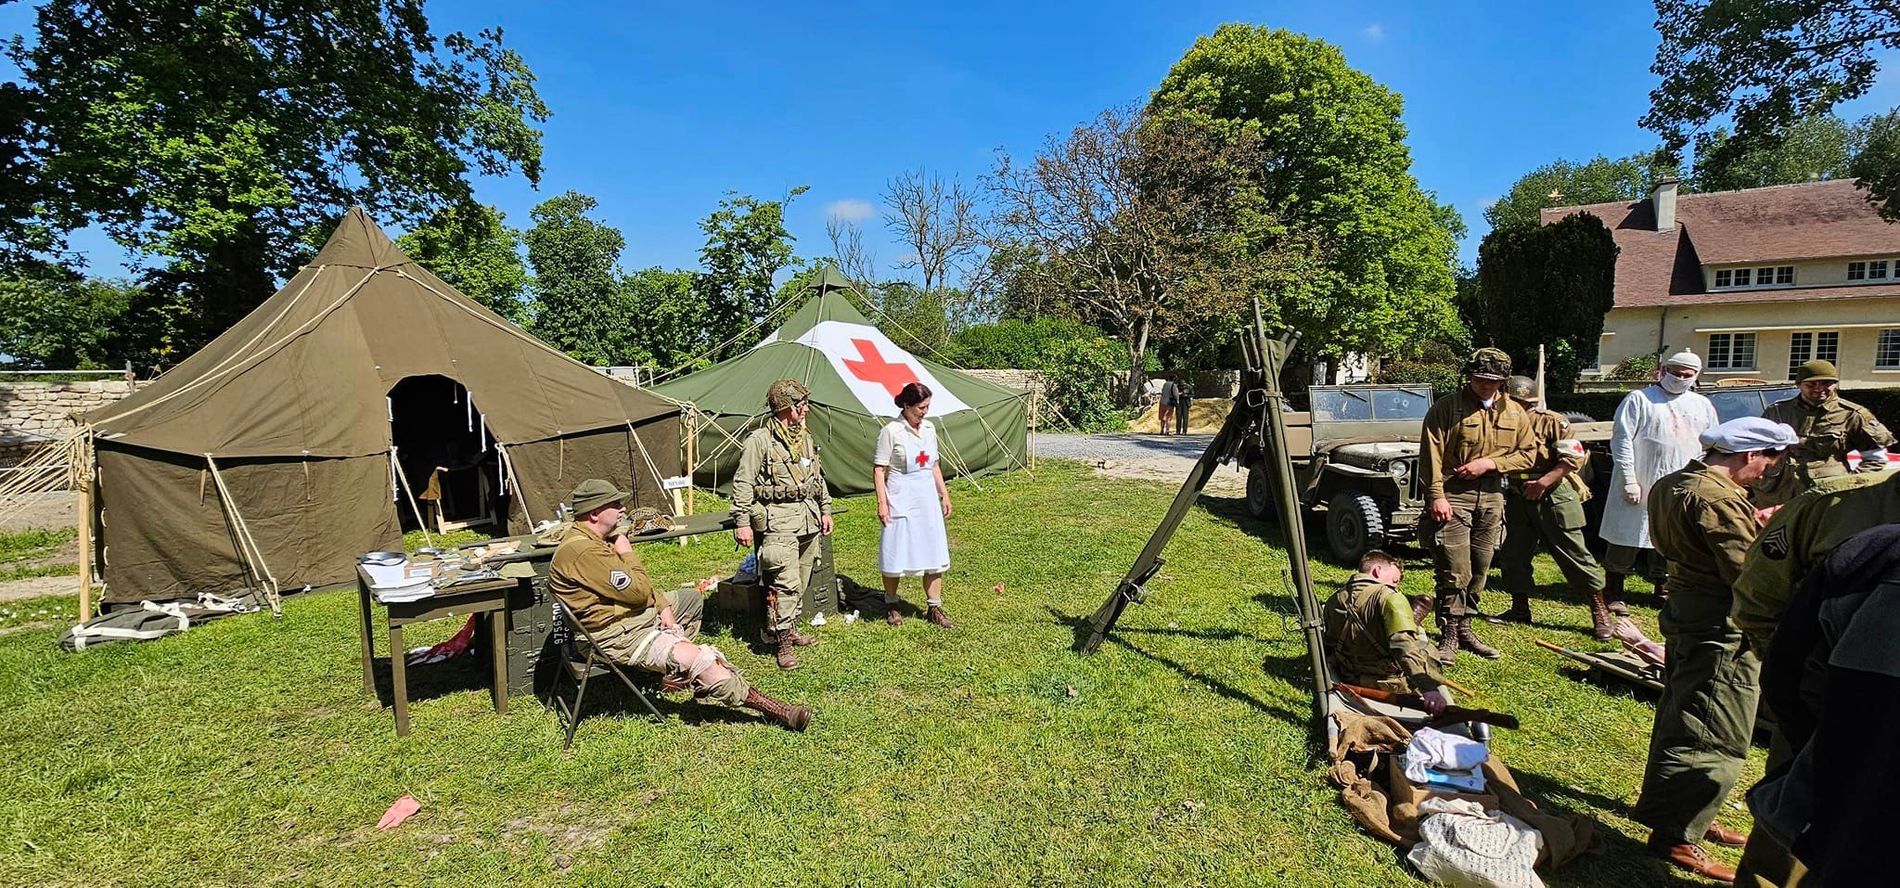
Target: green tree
{"type": "Point", "coordinates": [1764, 67]}
{"type": "Point", "coordinates": [1565, 183]}
{"type": "Point", "coordinates": [577, 282]}
{"type": "Point", "coordinates": [474, 251]}
{"type": "Point", "coordinates": [1332, 167]}
{"type": "Point", "coordinates": [1877, 163]}
{"type": "Point", "coordinates": [57, 320]}
{"type": "Point", "coordinates": [1548, 285]}
{"type": "Point", "coordinates": [669, 326]}
{"type": "Point", "coordinates": [915, 318]}
{"type": "Point", "coordinates": [1815, 148]}
{"type": "Point", "coordinates": [221, 137]}
{"type": "Point", "coordinates": [746, 246]}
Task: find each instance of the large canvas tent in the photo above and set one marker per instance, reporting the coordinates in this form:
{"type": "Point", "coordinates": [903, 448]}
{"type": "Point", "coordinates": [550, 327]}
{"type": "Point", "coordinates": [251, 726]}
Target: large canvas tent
{"type": "Point", "coordinates": [266, 461]}
{"type": "Point", "coordinates": [854, 371]}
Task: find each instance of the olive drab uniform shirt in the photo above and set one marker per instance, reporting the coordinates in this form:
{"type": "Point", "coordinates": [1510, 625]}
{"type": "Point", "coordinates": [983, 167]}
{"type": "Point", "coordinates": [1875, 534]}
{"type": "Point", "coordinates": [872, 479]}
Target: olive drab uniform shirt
{"type": "Point", "coordinates": [1459, 429]}
{"type": "Point", "coordinates": [1702, 521]}
{"type": "Point", "coordinates": [1372, 640]}
{"type": "Point", "coordinates": [779, 486]}
{"type": "Point", "coordinates": [1547, 428]}
{"type": "Point", "coordinates": [1799, 538]}
{"type": "Point", "coordinates": [602, 587]}
{"type": "Point", "coordinates": [1828, 432]}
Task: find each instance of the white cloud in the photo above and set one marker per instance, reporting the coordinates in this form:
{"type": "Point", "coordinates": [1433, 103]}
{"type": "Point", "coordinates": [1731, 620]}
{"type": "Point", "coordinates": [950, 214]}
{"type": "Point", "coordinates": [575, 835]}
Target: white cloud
{"type": "Point", "coordinates": [1373, 32]}
{"type": "Point", "coordinates": [850, 210]}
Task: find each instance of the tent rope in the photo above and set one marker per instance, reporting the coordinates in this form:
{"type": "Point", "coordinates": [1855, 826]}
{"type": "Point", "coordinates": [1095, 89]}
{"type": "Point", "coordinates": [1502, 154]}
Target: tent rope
{"type": "Point", "coordinates": [508, 463]}
{"type": "Point", "coordinates": [246, 541]}
{"type": "Point", "coordinates": [254, 357]}
{"type": "Point", "coordinates": [788, 300]}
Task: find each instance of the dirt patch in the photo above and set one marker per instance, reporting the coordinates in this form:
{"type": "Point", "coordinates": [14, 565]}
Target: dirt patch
{"type": "Point", "coordinates": [1171, 470]}
{"type": "Point", "coordinates": [38, 587]}
{"type": "Point", "coordinates": [563, 834]}
{"type": "Point", "coordinates": [25, 627]}
{"type": "Point", "coordinates": [51, 512]}
{"type": "Point", "coordinates": [1206, 417]}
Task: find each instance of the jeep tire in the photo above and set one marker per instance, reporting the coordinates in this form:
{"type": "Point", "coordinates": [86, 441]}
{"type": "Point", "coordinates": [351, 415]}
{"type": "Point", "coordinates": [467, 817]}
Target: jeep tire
{"type": "Point", "coordinates": [1355, 524]}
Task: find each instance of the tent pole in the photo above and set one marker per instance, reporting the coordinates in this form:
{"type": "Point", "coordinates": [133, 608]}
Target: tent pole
{"type": "Point", "coordinates": [422, 523]}
{"type": "Point", "coordinates": [691, 416]}
{"type": "Point", "coordinates": [83, 479]}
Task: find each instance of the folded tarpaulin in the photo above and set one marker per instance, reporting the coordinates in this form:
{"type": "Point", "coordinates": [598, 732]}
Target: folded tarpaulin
{"type": "Point", "coordinates": [152, 620]}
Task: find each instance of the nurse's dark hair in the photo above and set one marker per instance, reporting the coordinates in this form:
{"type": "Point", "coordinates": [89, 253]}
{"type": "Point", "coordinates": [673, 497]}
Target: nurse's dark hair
{"type": "Point", "coordinates": [912, 394]}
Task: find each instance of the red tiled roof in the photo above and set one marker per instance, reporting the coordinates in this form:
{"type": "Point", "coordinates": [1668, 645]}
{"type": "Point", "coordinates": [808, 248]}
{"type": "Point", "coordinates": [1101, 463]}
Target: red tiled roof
{"type": "Point", "coordinates": [1813, 220]}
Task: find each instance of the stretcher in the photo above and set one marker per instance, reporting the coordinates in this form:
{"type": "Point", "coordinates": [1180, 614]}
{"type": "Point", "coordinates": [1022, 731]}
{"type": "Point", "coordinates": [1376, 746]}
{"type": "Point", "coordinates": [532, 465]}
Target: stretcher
{"type": "Point", "coordinates": [1628, 667]}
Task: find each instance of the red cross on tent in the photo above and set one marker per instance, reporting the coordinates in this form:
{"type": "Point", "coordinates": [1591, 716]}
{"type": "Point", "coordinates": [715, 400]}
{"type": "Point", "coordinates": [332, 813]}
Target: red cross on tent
{"type": "Point", "coordinates": [873, 368]}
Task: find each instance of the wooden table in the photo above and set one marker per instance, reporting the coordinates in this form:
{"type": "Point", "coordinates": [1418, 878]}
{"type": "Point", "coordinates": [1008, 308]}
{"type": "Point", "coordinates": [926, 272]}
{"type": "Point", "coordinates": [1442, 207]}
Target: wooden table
{"type": "Point", "coordinates": [486, 598]}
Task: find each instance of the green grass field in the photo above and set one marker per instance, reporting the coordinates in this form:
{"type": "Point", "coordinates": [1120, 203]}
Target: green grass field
{"type": "Point", "coordinates": [246, 753]}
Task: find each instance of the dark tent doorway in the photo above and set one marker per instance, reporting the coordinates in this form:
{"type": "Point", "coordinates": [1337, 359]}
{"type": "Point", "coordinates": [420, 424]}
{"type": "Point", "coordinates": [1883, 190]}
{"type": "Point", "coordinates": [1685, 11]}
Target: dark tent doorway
{"type": "Point", "coordinates": [444, 452]}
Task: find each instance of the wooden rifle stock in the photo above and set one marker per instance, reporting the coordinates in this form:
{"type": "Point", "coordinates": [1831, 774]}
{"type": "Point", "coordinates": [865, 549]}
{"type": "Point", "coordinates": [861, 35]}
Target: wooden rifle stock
{"type": "Point", "coordinates": [1451, 714]}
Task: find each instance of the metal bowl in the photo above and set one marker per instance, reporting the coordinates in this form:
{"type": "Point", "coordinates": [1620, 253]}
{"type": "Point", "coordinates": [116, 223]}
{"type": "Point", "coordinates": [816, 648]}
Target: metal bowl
{"type": "Point", "coordinates": [385, 559]}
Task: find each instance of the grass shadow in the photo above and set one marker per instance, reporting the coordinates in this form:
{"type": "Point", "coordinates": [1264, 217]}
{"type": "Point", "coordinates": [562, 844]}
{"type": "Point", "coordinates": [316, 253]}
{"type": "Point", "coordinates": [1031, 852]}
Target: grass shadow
{"type": "Point", "coordinates": [1081, 626]}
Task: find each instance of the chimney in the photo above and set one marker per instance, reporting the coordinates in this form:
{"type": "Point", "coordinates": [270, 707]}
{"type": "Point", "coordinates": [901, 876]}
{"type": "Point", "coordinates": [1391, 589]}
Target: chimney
{"type": "Point", "coordinates": [1663, 198]}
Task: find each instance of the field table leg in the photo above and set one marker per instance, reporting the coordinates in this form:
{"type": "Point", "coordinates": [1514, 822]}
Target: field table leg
{"type": "Point", "coordinates": [399, 679]}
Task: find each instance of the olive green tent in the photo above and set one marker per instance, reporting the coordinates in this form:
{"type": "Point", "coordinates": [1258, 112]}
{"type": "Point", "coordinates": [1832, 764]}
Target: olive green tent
{"type": "Point", "coordinates": [854, 372]}
{"type": "Point", "coordinates": [265, 461]}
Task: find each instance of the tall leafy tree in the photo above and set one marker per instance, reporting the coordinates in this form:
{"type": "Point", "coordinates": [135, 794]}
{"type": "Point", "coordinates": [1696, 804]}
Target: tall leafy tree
{"type": "Point", "coordinates": [53, 319]}
{"type": "Point", "coordinates": [1566, 183]}
{"type": "Point", "coordinates": [1545, 285]}
{"type": "Point", "coordinates": [746, 246]}
{"type": "Point", "coordinates": [1765, 67]}
{"type": "Point", "coordinates": [1333, 167]}
{"type": "Point", "coordinates": [221, 137]}
{"type": "Point", "coordinates": [577, 282]}
{"type": "Point", "coordinates": [474, 251]}
{"type": "Point", "coordinates": [1820, 147]}
{"type": "Point", "coordinates": [668, 319]}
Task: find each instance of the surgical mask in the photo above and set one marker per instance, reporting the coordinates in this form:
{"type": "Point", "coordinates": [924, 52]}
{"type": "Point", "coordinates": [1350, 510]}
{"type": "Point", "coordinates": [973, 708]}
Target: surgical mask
{"type": "Point", "coordinates": [1676, 385]}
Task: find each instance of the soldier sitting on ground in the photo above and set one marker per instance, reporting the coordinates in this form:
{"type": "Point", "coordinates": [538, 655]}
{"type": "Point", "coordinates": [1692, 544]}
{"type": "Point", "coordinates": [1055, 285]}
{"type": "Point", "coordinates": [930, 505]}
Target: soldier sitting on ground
{"type": "Point", "coordinates": [597, 575]}
{"type": "Point", "coordinates": [1372, 634]}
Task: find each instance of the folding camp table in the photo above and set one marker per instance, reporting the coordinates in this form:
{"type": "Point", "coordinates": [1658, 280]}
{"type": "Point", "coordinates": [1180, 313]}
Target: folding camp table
{"type": "Point", "coordinates": [486, 598]}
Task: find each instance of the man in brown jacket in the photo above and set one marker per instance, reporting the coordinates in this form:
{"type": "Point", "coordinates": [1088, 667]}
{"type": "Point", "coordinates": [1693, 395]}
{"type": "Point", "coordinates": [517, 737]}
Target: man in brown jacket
{"type": "Point", "coordinates": [1372, 634]}
{"type": "Point", "coordinates": [1469, 440]}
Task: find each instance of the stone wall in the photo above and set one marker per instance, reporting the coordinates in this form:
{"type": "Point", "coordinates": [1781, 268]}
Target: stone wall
{"type": "Point", "coordinates": [34, 413]}
{"type": "Point", "coordinates": [1031, 381]}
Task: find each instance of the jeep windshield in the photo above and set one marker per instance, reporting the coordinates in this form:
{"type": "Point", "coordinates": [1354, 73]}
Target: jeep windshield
{"type": "Point", "coordinates": [1370, 405]}
{"type": "Point", "coordinates": [1737, 403]}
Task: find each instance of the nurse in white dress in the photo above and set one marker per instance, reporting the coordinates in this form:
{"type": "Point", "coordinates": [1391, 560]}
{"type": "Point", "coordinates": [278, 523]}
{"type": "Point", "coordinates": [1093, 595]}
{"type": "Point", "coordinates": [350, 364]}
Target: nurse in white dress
{"type": "Point", "coordinates": [912, 503]}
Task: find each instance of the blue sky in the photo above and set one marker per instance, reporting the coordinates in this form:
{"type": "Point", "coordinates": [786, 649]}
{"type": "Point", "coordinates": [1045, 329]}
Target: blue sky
{"type": "Point", "coordinates": [659, 110]}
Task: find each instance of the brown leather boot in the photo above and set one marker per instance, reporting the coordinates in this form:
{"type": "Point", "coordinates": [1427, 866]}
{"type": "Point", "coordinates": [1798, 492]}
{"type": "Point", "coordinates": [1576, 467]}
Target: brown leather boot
{"type": "Point", "coordinates": [1447, 642]}
{"type": "Point", "coordinates": [1600, 617]}
{"type": "Point", "coordinates": [792, 718]}
{"type": "Point", "coordinates": [936, 616]}
{"type": "Point", "coordinates": [786, 658]}
{"type": "Point", "coordinates": [1613, 594]}
{"type": "Point", "coordinates": [1722, 835]}
{"type": "Point", "coordinates": [803, 640]}
{"type": "Point", "coordinates": [1469, 640]}
{"type": "Point", "coordinates": [1691, 857]}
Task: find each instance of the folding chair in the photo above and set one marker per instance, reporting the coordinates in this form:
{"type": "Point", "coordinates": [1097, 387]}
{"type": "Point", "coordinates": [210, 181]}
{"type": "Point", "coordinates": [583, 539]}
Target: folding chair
{"type": "Point", "coordinates": [581, 660]}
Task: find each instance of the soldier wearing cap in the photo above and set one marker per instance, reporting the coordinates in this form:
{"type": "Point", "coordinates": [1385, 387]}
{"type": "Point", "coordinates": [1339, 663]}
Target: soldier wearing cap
{"type": "Point", "coordinates": [1544, 503]}
{"type": "Point", "coordinates": [1372, 634]}
{"type": "Point", "coordinates": [1470, 438]}
{"type": "Point", "coordinates": [597, 575]}
{"type": "Point", "coordinates": [1702, 522]}
{"type": "Point", "coordinates": [781, 504]}
{"type": "Point", "coordinates": [1830, 426]}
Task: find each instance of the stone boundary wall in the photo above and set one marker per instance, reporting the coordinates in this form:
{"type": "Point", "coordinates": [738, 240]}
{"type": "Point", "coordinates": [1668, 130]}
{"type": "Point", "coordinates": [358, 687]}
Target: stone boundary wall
{"type": "Point", "coordinates": [35, 413]}
{"type": "Point", "coordinates": [1031, 381]}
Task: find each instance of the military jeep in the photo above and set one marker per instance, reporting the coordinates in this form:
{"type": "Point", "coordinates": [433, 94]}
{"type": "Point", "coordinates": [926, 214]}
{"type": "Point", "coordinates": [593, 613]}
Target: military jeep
{"type": "Point", "coordinates": [1355, 459]}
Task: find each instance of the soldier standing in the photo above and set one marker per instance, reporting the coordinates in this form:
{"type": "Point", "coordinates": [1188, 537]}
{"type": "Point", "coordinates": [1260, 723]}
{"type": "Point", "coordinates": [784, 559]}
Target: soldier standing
{"type": "Point", "coordinates": [1372, 634]}
{"type": "Point", "coordinates": [1702, 522]}
{"type": "Point", "coordinates": [1829, 426]}
{"type": "Point", "coordinates": [1545, 503]}
{"type": "Point", "coordinates": [1469, 438]}
{"type": "Point", "coordinates": [781, 504]}
{"type": "Point", "coordinates": [1796, 542]}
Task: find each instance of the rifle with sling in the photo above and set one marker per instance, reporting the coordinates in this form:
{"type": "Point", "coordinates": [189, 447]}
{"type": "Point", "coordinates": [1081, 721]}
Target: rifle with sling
{"type": "Point", "coordinates": [1450, 715]}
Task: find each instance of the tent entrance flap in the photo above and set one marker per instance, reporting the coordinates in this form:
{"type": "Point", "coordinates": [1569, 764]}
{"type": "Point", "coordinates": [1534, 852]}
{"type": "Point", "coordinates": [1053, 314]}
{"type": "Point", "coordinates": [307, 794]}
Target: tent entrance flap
{"type": "Point", "coordinates": [445, 453]}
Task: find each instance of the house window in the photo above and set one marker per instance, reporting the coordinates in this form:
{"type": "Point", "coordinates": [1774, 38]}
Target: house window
{"type": "Point", "coordinates": [1856, 271]}
{"type": "Point", "coordinates": [1741, 277]}
{"type": "Point", "coordinates": [1805, 347]}
{"type": "Point", "coordinates": [1887, 351]}
{"type": "Point", "coordinates": [1784, 274]}
{"type": "Point", "coordinates": [1731, 351]}
{"type": "Point", "coordinates": [1877, 269]}
{"type": "Point", "coordinates": [1724, 278]}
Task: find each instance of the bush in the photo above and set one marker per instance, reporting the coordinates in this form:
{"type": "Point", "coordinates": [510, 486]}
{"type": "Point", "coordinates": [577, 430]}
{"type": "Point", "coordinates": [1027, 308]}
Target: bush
{"type": "Point", "coordinates": [1637, 368]}
{"type": "Point", "coordinates": [1076, 360]}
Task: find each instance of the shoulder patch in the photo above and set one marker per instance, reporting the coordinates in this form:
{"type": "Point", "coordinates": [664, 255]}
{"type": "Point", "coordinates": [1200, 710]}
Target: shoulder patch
{"type": "Point", "coordinates": [619, 579]}
{"type": "Point", "coordinates": [1774, 544]}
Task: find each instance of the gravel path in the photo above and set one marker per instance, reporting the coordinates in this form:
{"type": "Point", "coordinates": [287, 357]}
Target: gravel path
{"type": "Point", "coordinates": [1162, 458]}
